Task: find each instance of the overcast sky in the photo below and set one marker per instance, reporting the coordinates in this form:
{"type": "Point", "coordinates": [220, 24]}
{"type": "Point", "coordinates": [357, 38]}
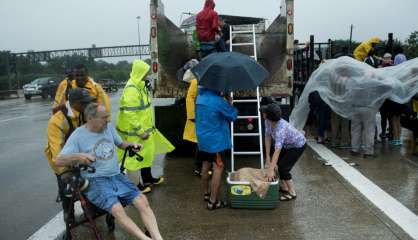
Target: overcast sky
{"type": "Point", "coordinates": [61, 24]}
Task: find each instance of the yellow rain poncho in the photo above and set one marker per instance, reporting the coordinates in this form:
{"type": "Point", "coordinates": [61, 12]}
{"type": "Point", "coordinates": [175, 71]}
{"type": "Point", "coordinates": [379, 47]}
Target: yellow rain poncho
{"type": "Point", "coordinates": [136, 117]}
{"type": "Point", "coordinates": [94, 89]}
{"type": "Point", "coordinates": [58, 129]}
{"type": "Point", "coordinates": [190, 128]}
{"type": "Point", "coordinates": [361, 52]}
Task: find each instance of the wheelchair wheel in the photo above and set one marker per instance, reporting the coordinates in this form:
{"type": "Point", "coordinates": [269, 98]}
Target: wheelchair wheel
{"type": "Point", "coordinates": [110, 222]}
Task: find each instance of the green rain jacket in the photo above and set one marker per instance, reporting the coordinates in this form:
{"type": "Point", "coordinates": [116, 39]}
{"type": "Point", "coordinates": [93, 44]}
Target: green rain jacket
{"type": "Point", "coordinates": [135, 117]}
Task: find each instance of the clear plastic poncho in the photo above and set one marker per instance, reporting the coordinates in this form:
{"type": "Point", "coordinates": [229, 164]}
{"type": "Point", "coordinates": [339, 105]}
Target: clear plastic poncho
{"type": "Point", "coordinates": [348, 85]}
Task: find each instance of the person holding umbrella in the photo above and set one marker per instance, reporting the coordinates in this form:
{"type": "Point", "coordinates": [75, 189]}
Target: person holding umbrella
{"type": "Point", "coordinates": [213, 116]}
{"type": "Point", "coordinates": [218, 75]}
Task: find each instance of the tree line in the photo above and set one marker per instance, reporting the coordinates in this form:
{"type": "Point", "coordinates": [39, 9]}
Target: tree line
{"type": "Point", "coordinates": [28, 70]}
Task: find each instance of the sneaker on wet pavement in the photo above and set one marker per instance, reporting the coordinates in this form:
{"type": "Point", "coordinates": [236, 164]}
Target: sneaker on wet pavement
{"type": "Point", "coordinates": [155, 181]}
{"type": "Point", "coordinates": [144, 189]}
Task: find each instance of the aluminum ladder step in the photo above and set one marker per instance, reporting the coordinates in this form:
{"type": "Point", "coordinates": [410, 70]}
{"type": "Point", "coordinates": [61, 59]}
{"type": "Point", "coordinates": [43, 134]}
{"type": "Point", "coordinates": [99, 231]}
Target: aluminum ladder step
{"type": "Point", "coordinates": [241, 44]}
{"type": "Point", "coordinates": [245, 101]}
{"type": "Point", "coordinates": [247, 153]}
{"type": "Point", "coordinates": [241, 32]}
{"type": "Point", "coordinates": [246, 134]}
{"type": "Point", "coordinates": [247, 117]}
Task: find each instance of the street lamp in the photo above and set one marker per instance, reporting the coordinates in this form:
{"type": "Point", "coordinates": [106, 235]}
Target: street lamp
{"type": "Point", "coordinates": [138, 18]}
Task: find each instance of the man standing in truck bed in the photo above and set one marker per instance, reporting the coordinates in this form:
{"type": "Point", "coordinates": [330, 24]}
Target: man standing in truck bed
{"type": "Point", "coordinates": [207, 27]}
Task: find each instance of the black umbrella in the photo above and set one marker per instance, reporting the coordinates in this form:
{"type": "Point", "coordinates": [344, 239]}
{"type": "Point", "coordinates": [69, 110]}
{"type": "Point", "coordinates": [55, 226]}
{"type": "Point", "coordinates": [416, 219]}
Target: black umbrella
{"type": "Point", "coordinates": [229, 72]}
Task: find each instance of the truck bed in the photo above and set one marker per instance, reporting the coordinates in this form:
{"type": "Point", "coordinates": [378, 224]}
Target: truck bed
{"type": "Point", "coordinates": [175, 48]}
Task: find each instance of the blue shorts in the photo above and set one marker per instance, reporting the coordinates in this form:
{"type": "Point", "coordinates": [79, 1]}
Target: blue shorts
{"type": "Point", "coordinates": [104, 192]}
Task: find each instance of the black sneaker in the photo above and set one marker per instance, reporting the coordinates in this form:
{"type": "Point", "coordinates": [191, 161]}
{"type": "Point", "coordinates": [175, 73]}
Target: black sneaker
{"type": "Point", "coordinates": [155, 181]}
{"type": "Point", "coordinates": [144, 189]}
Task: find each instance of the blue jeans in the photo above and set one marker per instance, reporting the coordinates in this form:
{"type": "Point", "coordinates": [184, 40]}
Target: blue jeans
{"type": "Point", "coordinates": [105, 192]}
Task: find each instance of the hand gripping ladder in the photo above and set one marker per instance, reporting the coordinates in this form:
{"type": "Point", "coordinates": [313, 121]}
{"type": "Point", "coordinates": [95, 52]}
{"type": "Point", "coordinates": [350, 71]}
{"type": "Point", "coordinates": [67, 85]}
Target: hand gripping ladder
{"type": "Point", "coordinates": [246, 101]}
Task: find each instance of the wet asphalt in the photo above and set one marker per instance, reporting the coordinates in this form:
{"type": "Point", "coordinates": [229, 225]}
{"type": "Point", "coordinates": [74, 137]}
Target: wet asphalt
{"type": "Point", "coordinates": [326, 206]}
{"type": "Point", "coordinates": [28, 186]}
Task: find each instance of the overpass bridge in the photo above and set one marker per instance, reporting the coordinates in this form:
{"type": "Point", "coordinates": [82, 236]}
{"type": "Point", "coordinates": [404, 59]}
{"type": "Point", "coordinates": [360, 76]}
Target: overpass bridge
{"type": "Point", "coordinates": [93, 52]}
{"type": "Point", "coordinates": [11, 60]}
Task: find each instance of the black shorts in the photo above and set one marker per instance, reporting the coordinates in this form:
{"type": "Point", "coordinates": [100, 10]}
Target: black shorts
{"type": "Point", "coordinates": [394, 108]}
{"type": "Point", "coordinates": [218, 158]}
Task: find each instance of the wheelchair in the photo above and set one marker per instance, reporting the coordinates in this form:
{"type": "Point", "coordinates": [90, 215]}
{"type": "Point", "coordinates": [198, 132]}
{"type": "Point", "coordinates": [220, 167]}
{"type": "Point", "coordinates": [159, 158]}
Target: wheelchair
{"type": "Point", "coordinates": [73, 185]}
{"type": "Point", "coordinates": [90, 212]}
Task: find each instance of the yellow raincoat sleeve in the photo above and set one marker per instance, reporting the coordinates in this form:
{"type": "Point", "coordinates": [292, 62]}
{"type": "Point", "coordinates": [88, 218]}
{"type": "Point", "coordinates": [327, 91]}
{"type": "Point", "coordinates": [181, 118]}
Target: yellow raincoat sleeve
{"type": "Point", "coordinates": [102, 97]}
{"type": "Point", "coordinates": [191, 100]}
{"type": "Point", "coordinates": [60, 94]}
{"type": "Point", "coordinates": [189, 133]}
{"type": "Point", "coordinates": [415, 105]}
{"type": "Point", "coordinates": [360, 53]}
{"type": "Point", "coordinates": [56, 141]}
{"type": "Point", "coordinates": [130, 98]}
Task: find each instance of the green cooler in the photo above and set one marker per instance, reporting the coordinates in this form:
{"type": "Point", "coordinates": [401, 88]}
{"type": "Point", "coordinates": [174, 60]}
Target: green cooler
{"type": "Point", "coordinates": [241, 196]}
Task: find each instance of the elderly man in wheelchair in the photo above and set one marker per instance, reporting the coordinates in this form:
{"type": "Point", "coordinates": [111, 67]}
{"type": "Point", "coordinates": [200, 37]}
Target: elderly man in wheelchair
{"type": "Point", "coordinates": [91, 150]}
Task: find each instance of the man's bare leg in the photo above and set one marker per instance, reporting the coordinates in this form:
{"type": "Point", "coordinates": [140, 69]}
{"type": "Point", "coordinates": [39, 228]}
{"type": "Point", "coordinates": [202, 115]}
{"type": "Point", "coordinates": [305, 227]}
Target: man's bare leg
{"type": "Point", "coordinates": [216, 182]}
{"type": "Point", "coordinates": [147, 216]}
{"type": "Point", "coordinates": [126, 222]}
{"type": "Point", "coordinates": [205, 176]}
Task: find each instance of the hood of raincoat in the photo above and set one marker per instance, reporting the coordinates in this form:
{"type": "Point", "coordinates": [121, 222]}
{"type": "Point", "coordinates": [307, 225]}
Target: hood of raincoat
{"type": "Point", "coordinates": [374, 40]}
{"type": "Point", "coordinates": [139, 70]}
{"type": "Point", "coordinates": [209, 4]}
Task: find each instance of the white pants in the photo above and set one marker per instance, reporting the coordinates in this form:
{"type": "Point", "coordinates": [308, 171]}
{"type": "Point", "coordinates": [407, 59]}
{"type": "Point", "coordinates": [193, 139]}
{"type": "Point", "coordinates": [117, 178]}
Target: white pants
{"type": "Point", "coordinates": [363, 130]}
{"type": "Point", "coordinates": [378, 126]}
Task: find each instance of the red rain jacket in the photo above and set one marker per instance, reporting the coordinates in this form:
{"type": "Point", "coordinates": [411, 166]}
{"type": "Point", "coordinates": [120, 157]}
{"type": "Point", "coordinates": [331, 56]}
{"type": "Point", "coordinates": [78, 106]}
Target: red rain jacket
{"type": "Point", "coordinates": [207, 22]}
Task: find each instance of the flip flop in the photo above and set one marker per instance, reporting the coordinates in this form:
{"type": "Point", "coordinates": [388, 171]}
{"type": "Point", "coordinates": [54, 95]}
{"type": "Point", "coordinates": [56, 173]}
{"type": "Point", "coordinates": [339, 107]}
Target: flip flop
{"type": "Point", "coordinates": [287, 197]}
{"type": "Point", "coordinates": [206, 197]}
{"type": "Point", "coordinates": [217, 205]}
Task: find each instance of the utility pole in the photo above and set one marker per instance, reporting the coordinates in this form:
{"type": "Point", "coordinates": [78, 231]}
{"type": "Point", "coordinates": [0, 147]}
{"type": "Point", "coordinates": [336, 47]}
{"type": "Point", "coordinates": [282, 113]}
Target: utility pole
{"type": "Point", "coordinates": [351, 38]}
{"type": "Point", "coordinates": [9, 79]}
{"type": "Point", "coordinates": [138, 18]}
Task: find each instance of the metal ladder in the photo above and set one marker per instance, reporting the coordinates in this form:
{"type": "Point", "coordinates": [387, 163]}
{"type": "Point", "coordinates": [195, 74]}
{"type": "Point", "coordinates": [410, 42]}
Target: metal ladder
{"type": "Point", "coordinates": [248, 101]}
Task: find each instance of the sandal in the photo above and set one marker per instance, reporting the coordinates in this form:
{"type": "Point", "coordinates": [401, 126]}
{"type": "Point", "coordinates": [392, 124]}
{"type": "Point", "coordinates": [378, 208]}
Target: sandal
{"type": "Point", "coordinates": [206, 197]}
{"type": "Point", "coordinates": [287, 197]}
{"type": "Point", "coordinates": [217, 205]}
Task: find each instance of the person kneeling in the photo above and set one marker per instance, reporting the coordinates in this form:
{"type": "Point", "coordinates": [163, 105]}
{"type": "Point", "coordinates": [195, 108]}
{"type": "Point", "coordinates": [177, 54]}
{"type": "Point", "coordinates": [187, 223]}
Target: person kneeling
{"type": "Point", "coordinates": [95, 144]}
